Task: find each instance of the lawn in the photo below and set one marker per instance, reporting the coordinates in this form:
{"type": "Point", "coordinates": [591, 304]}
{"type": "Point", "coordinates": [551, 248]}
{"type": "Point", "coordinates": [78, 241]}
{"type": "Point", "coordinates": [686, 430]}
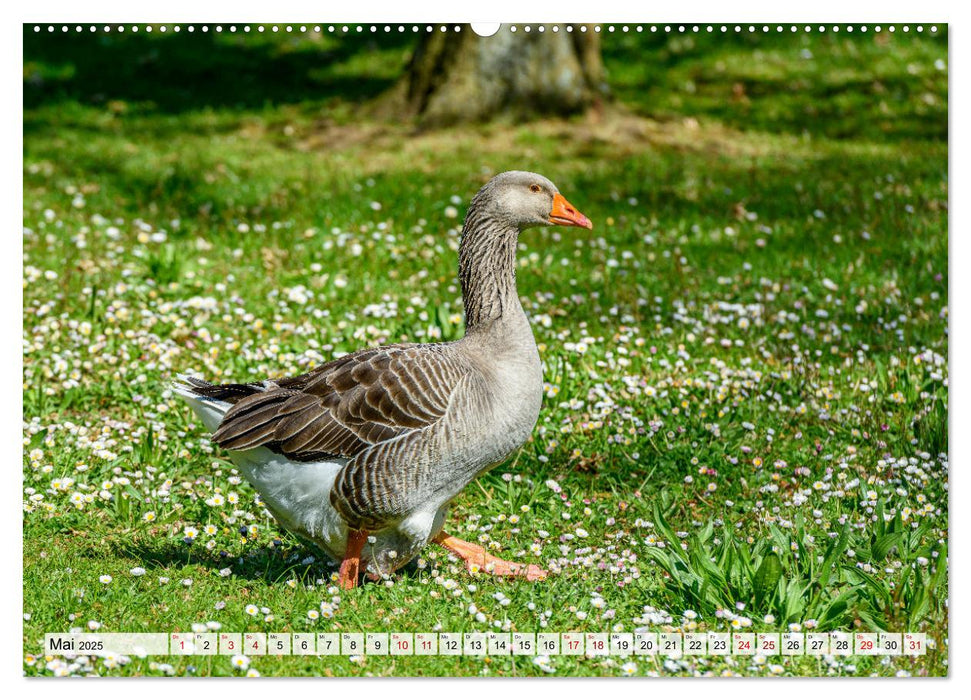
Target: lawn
{"type": "Point", "coordinates": [745, 422]}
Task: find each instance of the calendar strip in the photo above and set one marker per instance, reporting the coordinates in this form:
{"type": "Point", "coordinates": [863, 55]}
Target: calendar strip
{"type": "Point", "coordinates": [482, 644]}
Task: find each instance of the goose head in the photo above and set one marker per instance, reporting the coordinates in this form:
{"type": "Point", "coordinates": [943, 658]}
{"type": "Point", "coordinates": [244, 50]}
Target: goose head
{"type": "Point", "coordinates": [524, 200]}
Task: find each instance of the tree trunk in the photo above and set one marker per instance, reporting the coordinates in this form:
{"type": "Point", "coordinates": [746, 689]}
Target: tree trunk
{"type": "Point", "coordinates": [463, 77]}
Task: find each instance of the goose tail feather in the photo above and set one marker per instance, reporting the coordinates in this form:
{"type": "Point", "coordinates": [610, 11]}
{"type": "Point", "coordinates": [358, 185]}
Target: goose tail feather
{"type": "Point", "coordinates": [207, 404]}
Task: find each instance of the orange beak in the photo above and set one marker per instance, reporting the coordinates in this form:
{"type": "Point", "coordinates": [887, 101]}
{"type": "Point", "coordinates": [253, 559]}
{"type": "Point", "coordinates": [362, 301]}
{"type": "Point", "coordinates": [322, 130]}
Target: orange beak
{"type": "Point", "coordinates": [565, 214]}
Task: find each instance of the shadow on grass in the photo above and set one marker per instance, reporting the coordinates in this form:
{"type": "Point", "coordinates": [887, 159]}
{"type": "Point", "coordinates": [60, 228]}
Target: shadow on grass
{"type": "Point", "coordinates": [183, 72]}
{"type": "Point", "coordinates": [290, 560]}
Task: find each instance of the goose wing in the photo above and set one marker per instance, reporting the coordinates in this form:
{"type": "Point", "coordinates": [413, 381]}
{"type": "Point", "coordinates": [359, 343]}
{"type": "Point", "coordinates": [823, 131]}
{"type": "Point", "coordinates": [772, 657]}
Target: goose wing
{"type": "Point", "coordinates": [343, 407]}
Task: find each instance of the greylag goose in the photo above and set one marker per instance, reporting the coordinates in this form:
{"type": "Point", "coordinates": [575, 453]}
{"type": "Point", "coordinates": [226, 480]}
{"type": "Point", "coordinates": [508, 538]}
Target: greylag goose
{"type": "Point", "coordinates": [362, 455]}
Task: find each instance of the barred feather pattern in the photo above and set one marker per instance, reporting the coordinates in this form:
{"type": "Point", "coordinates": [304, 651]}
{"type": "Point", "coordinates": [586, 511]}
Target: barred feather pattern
{"type": "Point", "coordinates": [342, 407]}
{"type": "Point", "coordinates": [487, 264]}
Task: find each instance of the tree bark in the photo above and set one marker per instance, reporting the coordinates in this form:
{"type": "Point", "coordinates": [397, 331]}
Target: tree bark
{"type": "Point", "coordinates": [463, 77]}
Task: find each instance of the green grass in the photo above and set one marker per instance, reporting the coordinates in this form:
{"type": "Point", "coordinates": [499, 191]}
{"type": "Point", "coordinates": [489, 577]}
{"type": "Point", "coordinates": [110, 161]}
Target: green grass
{"type": "Point", "coordinates": [835, 84]}
{"type": "Point", "coordinates": [746, 360]}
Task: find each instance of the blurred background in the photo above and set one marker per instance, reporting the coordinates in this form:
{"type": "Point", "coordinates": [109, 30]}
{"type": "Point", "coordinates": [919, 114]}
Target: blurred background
{"type": "Point", "coordinates": [218, 130]}
{"type": "Point", "coordinates": [674, 136]}
{"type": "Point", "coordinates": [870, 85]}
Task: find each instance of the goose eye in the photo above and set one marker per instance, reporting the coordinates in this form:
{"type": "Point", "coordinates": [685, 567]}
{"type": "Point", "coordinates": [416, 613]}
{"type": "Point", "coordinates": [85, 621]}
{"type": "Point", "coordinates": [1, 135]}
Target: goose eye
{"type": "Point", "coordinates": [535, 188]}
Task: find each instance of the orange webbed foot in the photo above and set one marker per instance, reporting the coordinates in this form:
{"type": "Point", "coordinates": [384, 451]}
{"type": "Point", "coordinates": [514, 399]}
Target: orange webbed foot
{"type": "Point", "coordinates": [478, 560]}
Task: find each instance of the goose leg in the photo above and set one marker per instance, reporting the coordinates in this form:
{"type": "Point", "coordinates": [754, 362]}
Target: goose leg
{"type": "Point", "coordinates": [477, 559]}
{"type": "Point", "coordinates": [350, 569]}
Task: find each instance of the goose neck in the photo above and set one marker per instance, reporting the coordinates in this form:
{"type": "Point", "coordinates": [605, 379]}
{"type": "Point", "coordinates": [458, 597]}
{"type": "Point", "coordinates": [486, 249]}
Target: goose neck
{"type": "Point", "coordinates": [487, 270]}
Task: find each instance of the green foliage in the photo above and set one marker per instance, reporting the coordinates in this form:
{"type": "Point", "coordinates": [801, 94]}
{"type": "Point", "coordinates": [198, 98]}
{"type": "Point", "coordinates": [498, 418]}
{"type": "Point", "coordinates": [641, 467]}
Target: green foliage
{"type": "Point", "coordinates": [777, 575]}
